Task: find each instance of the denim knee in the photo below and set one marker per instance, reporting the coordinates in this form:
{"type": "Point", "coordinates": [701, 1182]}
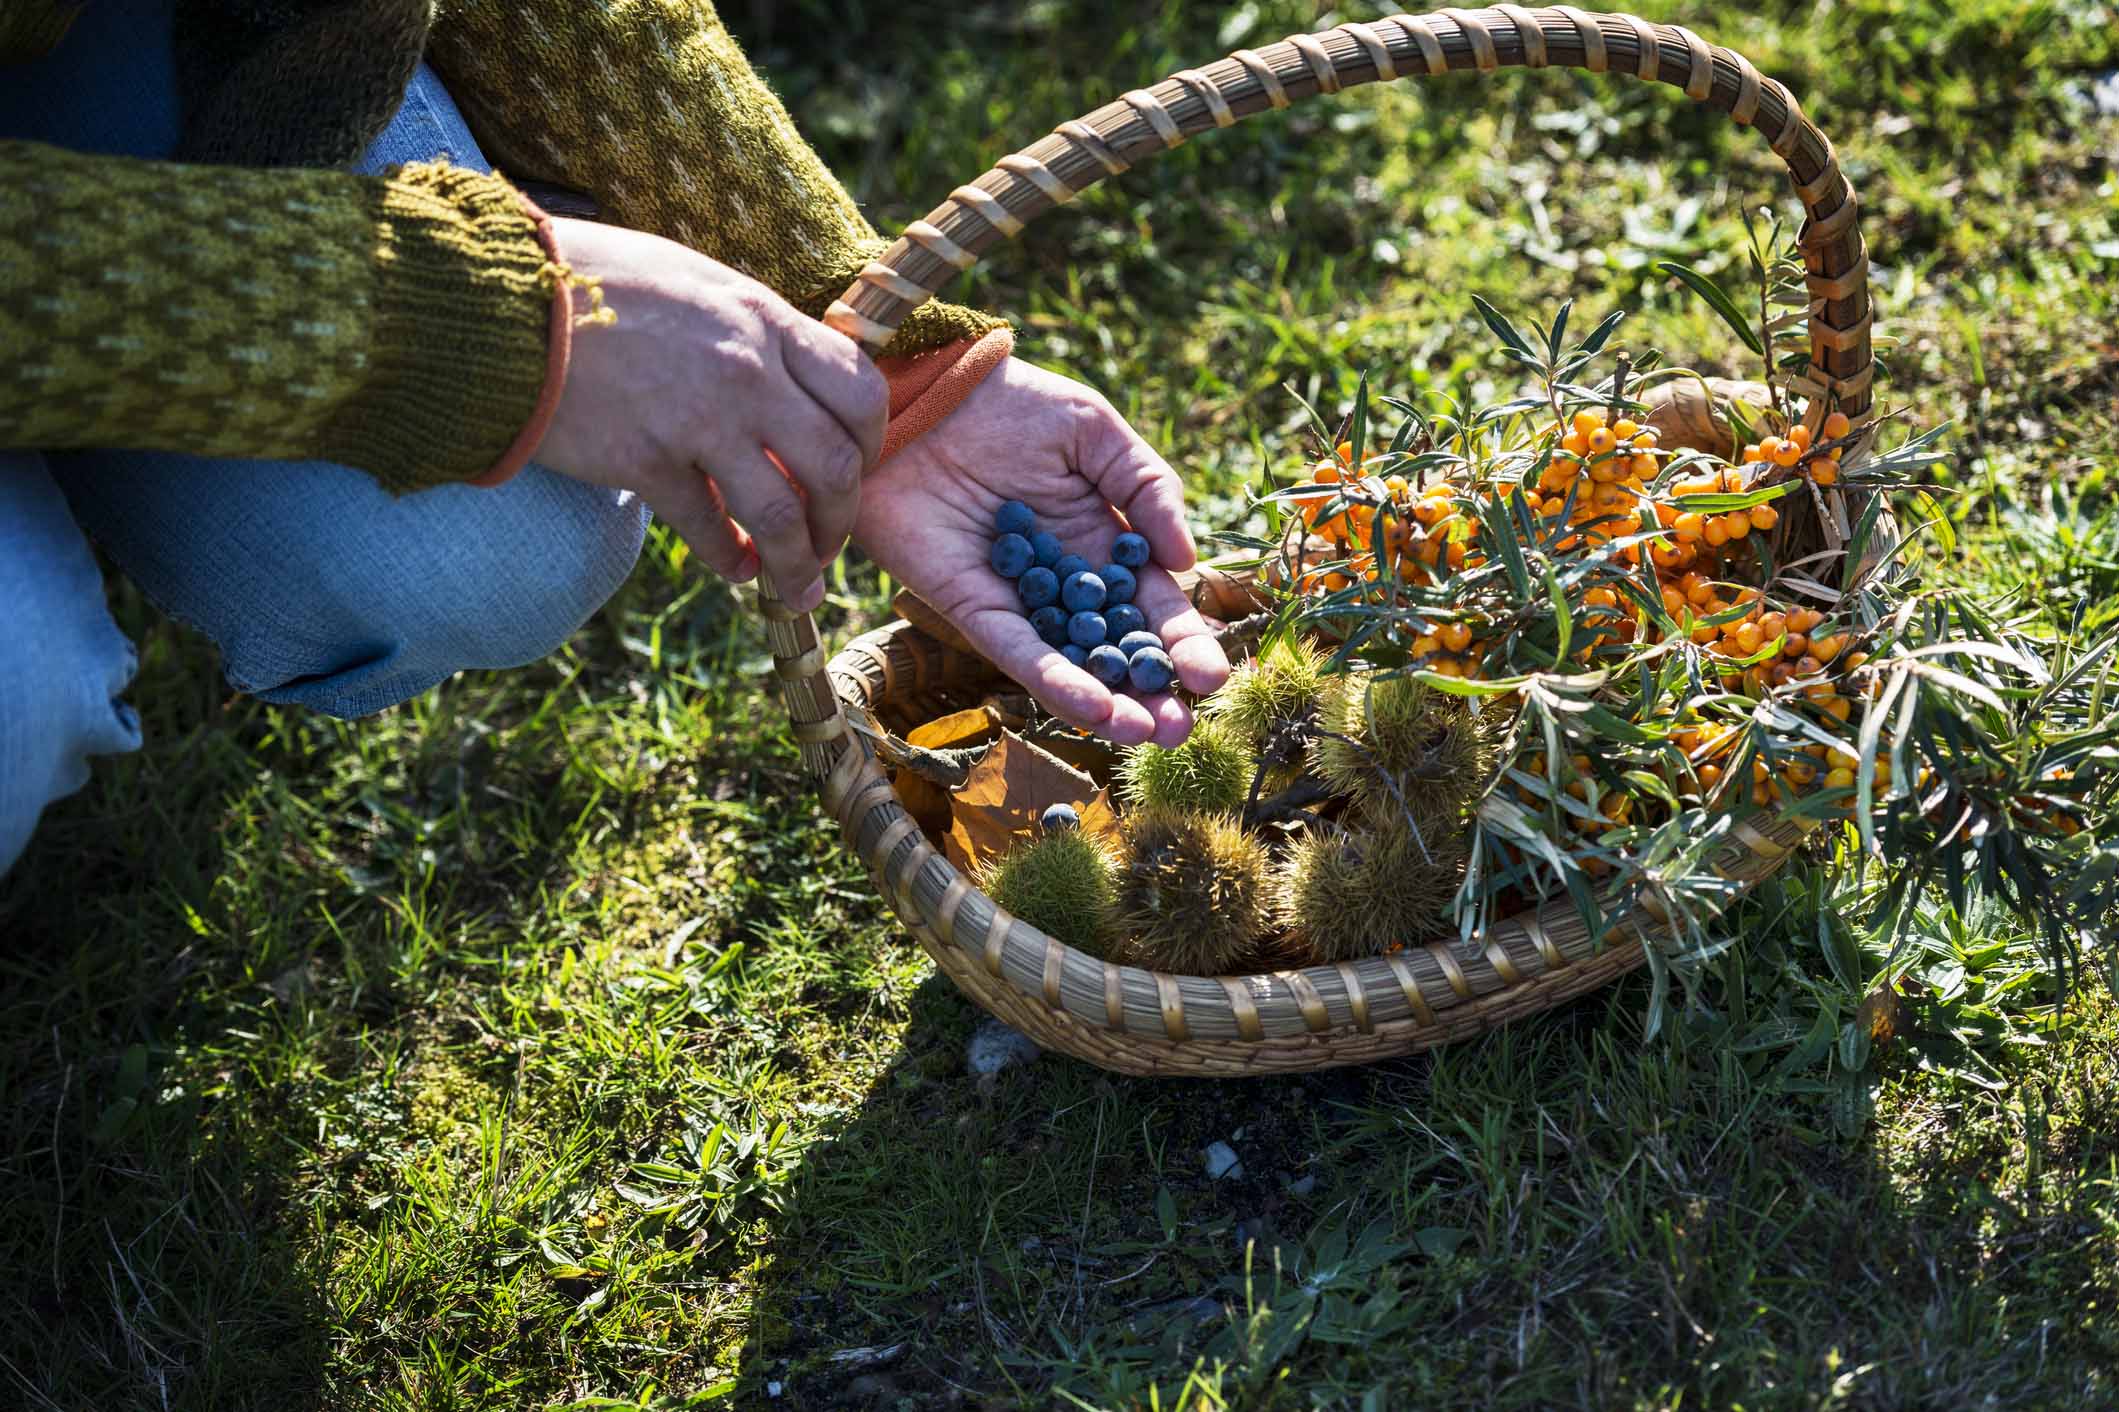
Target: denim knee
{"type": "Point", "coordinates": [62, 660]}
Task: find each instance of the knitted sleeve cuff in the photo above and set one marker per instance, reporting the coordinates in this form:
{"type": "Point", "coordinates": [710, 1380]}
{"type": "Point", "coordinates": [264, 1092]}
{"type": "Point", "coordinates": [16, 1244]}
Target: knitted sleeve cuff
{"type": "Point", "coordinates": [927, 387]}
{"type": "Point", "coordinates": [560, 346]}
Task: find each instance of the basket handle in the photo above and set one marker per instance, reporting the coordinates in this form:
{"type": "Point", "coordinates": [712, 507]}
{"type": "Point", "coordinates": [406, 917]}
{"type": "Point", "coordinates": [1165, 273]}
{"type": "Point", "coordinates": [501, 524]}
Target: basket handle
{"type": "Point", "coordinates": [1078, 154]}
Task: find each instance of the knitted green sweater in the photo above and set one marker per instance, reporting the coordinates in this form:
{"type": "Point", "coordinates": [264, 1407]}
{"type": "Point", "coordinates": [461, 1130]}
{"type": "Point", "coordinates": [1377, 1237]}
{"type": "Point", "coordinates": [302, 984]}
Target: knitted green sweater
{"type": "Point", "coordinates": [399, 323]}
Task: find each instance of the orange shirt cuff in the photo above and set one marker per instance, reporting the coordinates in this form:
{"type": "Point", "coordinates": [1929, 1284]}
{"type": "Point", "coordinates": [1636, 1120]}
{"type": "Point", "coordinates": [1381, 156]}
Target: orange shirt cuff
{"type": "Point", "coordinates": [560, 345]}
{"type": "Point", "coordinates": [927, 387]}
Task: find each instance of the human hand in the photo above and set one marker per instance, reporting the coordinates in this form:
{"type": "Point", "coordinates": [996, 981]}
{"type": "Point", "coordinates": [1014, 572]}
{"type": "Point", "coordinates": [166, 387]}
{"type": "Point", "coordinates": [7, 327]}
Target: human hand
{"type": "Point", "coordinates": [743, 424]}
{"type": "Point", "coordinates": [1031, 435]}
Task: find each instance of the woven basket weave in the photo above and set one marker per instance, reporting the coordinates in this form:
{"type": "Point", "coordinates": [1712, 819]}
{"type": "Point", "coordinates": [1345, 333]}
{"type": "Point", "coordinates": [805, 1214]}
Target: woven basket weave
{"type": "Point", "coordinates": [1144, 1022]}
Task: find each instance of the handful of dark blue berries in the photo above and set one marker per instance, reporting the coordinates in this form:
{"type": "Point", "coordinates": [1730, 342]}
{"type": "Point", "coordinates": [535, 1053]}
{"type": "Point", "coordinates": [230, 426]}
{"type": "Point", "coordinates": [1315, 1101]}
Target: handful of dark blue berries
{"type": "Point", "coordinates": [1087, 613]}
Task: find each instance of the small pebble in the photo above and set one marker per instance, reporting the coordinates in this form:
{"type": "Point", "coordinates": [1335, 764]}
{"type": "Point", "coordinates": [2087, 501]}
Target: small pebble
{"type": "Point", "coordinates": [1082, 593]}
{"type": "Point", "coordinates": [1119, 583]}
{"type": "Point", "coordinates": [1129, 550]}
{"type": "Point", "coordinates": [1222, 1161]}
{"type": "Point", "coordinates": [1011, 554]}
{"type": "Point", "coordinates": [1151, 670]}
{"type": "Point", "coordinates": [1121, 621]}
{"type": "Point", "coordinates": [1045, 548]}
{"type": "Point", "coordinates": [1058, 817]}
{"type": "Point", "coordinates": [1014, 517]}
{"type": "Point", "coordinates": [1086, 629]}
{"type": "Point", "coordinates": [1107, 664]}
{"type": "Point", "coordinates": [1037, 587]}
{"type": "Point", "coordinates": [1141, 641]}
{"type": "Point", "coordinates": [1051, 624]}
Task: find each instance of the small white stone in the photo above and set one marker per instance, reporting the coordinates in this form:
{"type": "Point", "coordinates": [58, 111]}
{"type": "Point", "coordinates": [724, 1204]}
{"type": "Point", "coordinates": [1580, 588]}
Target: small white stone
{"type": "Point", "coordinates": [994, 1047]}
{"type": "Point", "coordinates": [1303, 1186]}
{"type": "Point", "coordinates": [1222, 1161]}
{"type": "Point", "coordinates": [772, 1389]}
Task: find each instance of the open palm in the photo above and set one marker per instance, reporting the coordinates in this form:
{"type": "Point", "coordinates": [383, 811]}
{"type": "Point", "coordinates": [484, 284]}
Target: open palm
{"type": "Point", "coordinates": [1031, 435]}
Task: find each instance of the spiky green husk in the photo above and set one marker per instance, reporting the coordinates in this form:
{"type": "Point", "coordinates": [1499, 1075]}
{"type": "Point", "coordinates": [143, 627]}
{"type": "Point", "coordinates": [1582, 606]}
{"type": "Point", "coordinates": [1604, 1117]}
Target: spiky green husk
{"type": "Point", "coordinates": [1346, 894]}
{"type": "Point", "coordinates": [1194, 892]}
{"type": "Point", "coordinates": [1212, 770]}
{"type": "Point", "coordinates": [1404, 747]}
{"type": "Point", "coordinates": [1063, 884]}
{"type": "Point", "coordinates": [1279, 687]}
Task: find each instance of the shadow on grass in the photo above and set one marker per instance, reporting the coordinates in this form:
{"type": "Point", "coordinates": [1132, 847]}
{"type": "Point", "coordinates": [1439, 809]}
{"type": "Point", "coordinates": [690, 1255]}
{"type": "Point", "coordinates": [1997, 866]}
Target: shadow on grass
{"type": "Point", "coordinates": [1556, 1215]}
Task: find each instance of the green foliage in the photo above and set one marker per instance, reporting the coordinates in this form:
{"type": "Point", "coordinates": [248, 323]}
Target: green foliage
{"type": "Point", "coordinates": [1060, 883]}
{"type": "Point", "coordinates": [1212, 771]}
{"type": "Point", "coordinates": [1194, 892]}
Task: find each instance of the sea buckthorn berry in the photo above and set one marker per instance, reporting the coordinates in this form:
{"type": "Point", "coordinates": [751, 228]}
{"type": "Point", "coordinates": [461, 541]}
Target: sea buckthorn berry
{"type": "Point", "coordinates": [1716, 533]}
{"type": "Point", "coordinates": [1327, 473]}
{"type": "Point", "coordinates": [1764, 517]}
{"type": "Point", "coordinates": [1014, 517]}
{"type": "Point", "coordinates": [1826, 473]}
{"type": "Point", "coordinates": [1804, 619]}
{"type": "Point", "coordinates": [1710, 776]}
{"type": "Point", "coordinates": [1747, 638]}
{"type": "Point", "coordinates": [1799, 436]}
{"type": "Point", "coordinates": [1826, 648]}
{"type": "Point", "coordinates": [1772, 625]}
{"type": "Point", "coordinates": [1840, 709]}
{"type": "Point", "coordinates": [1346, 452]}
{"type": "Point", "coordinates": [1129, 550]}
{"type": "Point", "coordinates": [1788, 454]}
{"type": "Point", "coordinates": [1808, 666]}
{"type": "Point", "coordinates": [1770, 449]}
{"type": "Point", "coordinates": [1010, 556]}
{"type": "Point", "coordinates": [1625, 429]}
{"type": "Point", "coordinates": [1839, 779]}
{"type": "Point", "coordinates": [1854, 661]}
{"type": "Point", "coordinates": [1587, 421]}
{"type": "Point", "coordinates": [1037, 587]}
{"type": "Point", "coordinates": [1752, 456]}
{"type": "Point", "coordinates": [1601, 441]}
{"type": "Point", "coordinates": [1737, 524]}
{"type": "Point", "coordinates": [1837, 426]}
{"type": "Point", "coordinates": [1455, 636]}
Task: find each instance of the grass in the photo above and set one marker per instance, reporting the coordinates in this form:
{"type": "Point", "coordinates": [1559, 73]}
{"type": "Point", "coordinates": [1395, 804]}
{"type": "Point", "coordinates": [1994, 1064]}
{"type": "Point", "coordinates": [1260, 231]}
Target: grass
{"type": "Point", "coordinates": [533, 1045]}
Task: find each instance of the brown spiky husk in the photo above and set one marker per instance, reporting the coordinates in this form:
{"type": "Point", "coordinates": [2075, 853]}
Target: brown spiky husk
{"type": "Point", "coordinates": [1194, 893]}
{"type": "Point", "coordinates": [1212, 770]}
{"type": "Point", "coordinates": [1405, 747]}
{"type": "Point", "coordinates": [1348, 893]}
{"type": "Point", "coordinates": [1271, 700]}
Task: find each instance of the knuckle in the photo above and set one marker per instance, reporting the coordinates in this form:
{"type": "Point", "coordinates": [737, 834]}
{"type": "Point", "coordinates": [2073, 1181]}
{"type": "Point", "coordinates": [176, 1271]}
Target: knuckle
{"type": "Point", "coordinates": [779, 518]}
{"type": "Point", "coordinates": [839, 475]}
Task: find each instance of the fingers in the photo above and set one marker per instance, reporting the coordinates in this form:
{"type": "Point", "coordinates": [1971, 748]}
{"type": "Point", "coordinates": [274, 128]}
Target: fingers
{"type": "Point", "coordinates": [764, 503]}
{"type": "Point", "coordinates": [1201, 664]}
{"type": "Point", "coordinates": [692, 507]}
{"type": "Point", "coordinates": [1005, 638]}
{"type": "Point", "coordinates": [831, 369]}
{"type": "Point", "coordinates": [1138, 483]}
{"type": "Point", "coordinates": [816, 454]}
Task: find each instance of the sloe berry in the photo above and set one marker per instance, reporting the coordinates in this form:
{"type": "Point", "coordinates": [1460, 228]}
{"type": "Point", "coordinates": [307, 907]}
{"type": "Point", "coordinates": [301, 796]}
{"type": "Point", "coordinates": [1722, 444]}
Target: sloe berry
{"type": "Point", "coordinates": [1119, 583]}
{"type": "Point", "coordinates": [1151, 670]}
{"type": "Point", "coordinates": [1014, 517]}
{"type": "Point", "coordinates": [1086, 629]}
{"type": "Point", "coordinates": [1142, 641]}
{"type": "Point", "coordinates": [1107, 664]}
{"type": "Point", "coordinates": [1129, 550]}
{"type": "Point", "coordinates": [1059, 816]}
{"type": "Point", "coordinates": [1082, 593]}
{"type": "Point", "coordinates": [1069, 565]}
{"type": "Point", "coordinates": [1011, 554]}
{"type": "Point", "coordinates": [1051, 624]}
{"type": "Point", "coordinates": [1045, 548]}
{"type": "Point", "coordinates": [1037, 587]}
{"type": "Point", "coordinates": [1074, 654]}
{"type": "Point", "coordinates": [1121, 621]}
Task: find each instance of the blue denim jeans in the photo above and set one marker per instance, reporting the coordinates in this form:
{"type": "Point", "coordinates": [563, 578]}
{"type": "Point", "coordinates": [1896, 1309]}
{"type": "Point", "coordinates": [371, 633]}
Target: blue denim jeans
{"type": "Point", "coordinates": [319, 589]}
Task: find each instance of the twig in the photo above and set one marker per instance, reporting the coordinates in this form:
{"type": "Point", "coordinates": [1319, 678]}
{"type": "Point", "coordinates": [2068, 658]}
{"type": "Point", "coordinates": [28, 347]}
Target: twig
{"type": "Point", "coordinates": [1292, 802]}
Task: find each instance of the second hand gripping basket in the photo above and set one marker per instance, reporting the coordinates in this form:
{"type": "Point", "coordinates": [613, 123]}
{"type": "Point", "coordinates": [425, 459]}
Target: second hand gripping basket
{"type": "Point", "coordinates": [1145, 1022]}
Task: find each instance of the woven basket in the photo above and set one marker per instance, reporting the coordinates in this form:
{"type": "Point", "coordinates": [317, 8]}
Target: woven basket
{"type": "Point", "coordinates": [1144, 1022]}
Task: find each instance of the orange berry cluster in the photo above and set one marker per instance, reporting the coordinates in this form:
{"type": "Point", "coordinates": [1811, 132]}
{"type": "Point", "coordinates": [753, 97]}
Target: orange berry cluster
{"type": "Point", "coordinates": [1699, 604]}
{"type": "Point", "coordinates": [1795, 451]}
